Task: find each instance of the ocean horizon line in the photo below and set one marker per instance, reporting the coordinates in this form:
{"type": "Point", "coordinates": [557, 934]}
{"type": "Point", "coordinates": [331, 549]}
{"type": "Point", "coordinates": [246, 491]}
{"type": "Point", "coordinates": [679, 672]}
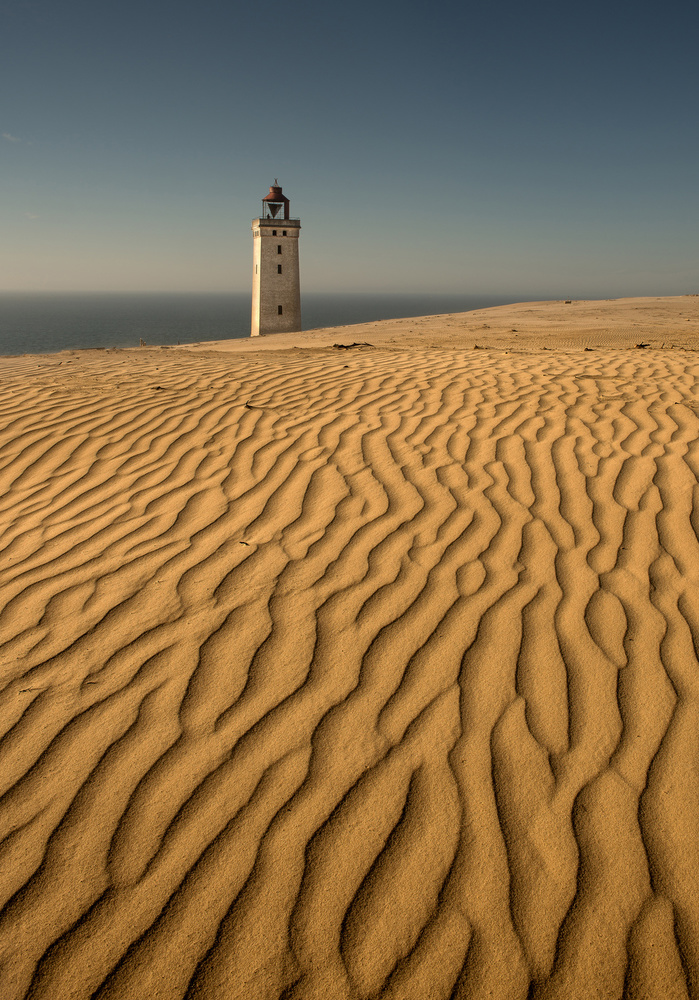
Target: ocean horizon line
{"type": "Point", "coordinates": [46, 322]}
{"type": "Point", "coordinates": [33, 323]}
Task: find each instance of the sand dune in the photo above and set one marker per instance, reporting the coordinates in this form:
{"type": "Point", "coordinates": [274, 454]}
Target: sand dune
{"type": "Point", "coordinates": [360, 673]}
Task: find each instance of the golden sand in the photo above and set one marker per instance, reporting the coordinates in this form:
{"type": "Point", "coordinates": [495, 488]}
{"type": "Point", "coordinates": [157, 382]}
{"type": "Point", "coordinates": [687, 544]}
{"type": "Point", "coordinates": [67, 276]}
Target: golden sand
{"type": "Point", "coordinates": [340, 673]}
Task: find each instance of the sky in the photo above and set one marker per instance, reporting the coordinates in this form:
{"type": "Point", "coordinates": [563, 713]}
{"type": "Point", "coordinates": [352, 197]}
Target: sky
{"type": "Point", "coordinates": [532, 150]}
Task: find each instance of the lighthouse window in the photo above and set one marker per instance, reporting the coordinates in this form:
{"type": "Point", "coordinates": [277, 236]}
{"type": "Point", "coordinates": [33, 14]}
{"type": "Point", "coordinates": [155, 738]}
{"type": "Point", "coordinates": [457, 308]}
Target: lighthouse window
{"type": "Point", "coordinates": [283, 232]}
{"type": "Point", "coordinates": [279, 248]}
{"type": "Point", "coordinates": [279, 310]}
{"type": "Point", "coordinates": [274, 232]}
{"type": "Point", "coordinates": [279, 269]}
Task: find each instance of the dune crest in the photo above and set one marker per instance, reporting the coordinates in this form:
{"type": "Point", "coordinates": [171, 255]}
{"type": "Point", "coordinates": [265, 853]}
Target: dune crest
{"type": "Point", "coordinates": [349, 674]}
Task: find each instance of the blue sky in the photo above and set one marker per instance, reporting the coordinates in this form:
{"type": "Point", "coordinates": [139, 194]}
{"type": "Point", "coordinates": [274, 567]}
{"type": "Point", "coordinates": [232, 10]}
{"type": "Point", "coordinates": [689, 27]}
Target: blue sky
{"type": "Point", "coordinates": [540, 149]}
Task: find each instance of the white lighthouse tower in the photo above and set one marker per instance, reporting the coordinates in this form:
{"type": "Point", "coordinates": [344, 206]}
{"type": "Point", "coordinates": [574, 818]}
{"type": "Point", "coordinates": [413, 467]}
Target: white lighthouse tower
{"type": "Point", "coordinates": [276, 292]}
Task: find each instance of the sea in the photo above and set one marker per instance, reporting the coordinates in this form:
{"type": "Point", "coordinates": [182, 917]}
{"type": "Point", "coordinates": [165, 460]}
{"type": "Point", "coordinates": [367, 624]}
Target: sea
{"type": "Point", "coordinates": [37, 323]}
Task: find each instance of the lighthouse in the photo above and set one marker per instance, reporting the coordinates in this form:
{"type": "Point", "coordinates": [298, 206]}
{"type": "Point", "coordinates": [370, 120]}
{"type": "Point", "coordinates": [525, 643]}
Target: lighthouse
{"type": "Point", "coordinates": [276, 292]}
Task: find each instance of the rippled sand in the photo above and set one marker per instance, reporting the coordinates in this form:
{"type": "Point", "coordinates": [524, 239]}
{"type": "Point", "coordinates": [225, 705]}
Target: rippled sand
{"type": "Point", "coordinates": [333, 673]}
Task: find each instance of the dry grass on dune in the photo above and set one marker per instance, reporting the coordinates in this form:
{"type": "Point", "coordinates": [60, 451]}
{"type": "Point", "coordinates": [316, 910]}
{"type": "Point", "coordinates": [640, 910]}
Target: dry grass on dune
{"type": "Point", "coordinates": [340, 674]}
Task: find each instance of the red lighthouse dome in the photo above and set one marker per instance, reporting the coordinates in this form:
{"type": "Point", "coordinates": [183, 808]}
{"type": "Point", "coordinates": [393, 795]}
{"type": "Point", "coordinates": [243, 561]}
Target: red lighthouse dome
{"type": "Point", "coordinates": [274, 204]}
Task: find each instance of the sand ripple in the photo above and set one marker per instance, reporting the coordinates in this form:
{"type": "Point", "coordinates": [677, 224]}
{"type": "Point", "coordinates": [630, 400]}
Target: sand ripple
{"type": "Point", "coordinates": [347, 674]}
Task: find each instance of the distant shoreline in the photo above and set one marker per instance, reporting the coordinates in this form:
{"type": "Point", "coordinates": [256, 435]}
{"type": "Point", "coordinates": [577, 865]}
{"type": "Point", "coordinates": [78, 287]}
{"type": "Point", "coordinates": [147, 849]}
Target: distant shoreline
{"type": "Point", "coordinates": [49, 323]}
{"type": "Point", "coordinates": [659, 321]}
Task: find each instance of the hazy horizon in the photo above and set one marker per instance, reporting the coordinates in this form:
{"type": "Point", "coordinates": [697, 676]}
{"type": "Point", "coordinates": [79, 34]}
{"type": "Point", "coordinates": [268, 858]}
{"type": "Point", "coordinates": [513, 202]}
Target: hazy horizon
{"type": "Point", "coordinates": [505, 297]}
